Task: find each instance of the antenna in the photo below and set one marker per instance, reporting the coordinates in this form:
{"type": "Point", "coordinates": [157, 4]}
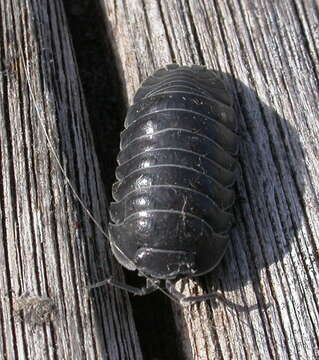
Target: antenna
{"type": "Point", "coordinates": [52, 149]}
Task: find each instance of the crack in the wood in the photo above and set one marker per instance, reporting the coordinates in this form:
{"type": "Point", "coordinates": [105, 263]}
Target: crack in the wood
{"type": "Point", "coordinates": [195, 34]}
{"type": "Point", "coordinates": [305, 40]}
{"type": "Point", "coordinates": [149, 32]}
{"type": "Point", "coordinates": [171, 49]}
{"type": "Point", "coordinates": [4, 108]}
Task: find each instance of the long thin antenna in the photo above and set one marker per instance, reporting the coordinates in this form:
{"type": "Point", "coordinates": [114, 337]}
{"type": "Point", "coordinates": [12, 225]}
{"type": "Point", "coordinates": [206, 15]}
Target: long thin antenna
{"type": "Point", "coordinates": [52, 149]}
{"type": "Point", "coordinates": [55, 155]}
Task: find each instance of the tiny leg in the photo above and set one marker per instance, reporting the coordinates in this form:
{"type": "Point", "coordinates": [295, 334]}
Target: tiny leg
{"type": "Point", "coordinates": [188, 300]}
{"type": "Point", "coordinates": [145, 290]}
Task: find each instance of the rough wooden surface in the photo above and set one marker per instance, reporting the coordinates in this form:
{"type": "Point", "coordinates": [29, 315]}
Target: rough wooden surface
{"type": "Point", "coordinates": [268, 52]}
{"type": "Point", "coordinates": [49, 249]}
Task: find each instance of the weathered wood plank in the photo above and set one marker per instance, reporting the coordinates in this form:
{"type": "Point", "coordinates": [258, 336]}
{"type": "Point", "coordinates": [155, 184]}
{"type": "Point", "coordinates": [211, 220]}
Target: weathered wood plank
{"type": "Point", "coordinates": [268, 52]}
{"type": "Point", "coordinates": [50, 251]}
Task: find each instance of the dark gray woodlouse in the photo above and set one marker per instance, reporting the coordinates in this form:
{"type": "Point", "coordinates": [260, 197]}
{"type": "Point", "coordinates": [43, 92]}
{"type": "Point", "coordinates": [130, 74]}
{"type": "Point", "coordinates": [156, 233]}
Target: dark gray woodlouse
{"type": "Point", "coordinates": [176, 170]}
{"type": "Point", "coordinates": [177, 167]}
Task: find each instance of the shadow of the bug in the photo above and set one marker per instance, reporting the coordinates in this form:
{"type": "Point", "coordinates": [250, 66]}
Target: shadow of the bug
{"type": "Point", "coordinates": [266, 220]}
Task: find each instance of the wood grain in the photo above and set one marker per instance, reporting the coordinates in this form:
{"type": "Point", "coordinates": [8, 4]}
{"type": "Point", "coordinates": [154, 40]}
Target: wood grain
{"type": "Point", "coordinates": [50, 250]}
{"type": "Point", "coordinates": [267, 53]}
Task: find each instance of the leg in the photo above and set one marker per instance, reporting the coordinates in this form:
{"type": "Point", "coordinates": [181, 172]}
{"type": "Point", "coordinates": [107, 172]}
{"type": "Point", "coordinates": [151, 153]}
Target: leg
{"type": "Point", "coordinates": [188, 300]}
{"type": "Point", "coordinates": [145, 290]}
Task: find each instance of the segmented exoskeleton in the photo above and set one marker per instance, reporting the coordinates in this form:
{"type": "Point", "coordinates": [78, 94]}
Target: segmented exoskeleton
{"type": "Point", "coordinates": [176, 170]}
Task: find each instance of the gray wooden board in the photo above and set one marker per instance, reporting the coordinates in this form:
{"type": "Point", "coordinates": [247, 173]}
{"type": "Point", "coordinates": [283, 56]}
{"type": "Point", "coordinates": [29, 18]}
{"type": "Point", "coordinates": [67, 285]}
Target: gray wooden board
{"type": "Point", "coordinates": [267, 52]}
{"type": "Point", "coordinates": [50, 251]}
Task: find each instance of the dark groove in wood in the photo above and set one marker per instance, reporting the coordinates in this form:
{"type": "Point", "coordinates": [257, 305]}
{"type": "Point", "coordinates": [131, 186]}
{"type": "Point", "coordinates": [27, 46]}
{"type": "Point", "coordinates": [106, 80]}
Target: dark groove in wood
{"type": "Point", "coordinates": [194, 32]}
{"type": "Point", "coordinates": [171, 51]}
{"type": "Point", "coordinates": [45, 254]}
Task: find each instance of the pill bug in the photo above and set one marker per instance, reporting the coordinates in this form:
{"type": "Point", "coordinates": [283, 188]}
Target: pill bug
{"type": "Point", "coordinates": [171, 214]}
{"type": "Point", "coordinates": [177, 166]}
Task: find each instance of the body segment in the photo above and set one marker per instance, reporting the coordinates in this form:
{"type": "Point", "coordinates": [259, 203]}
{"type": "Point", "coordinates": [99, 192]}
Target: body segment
{"type": "Point", "coordinates": [176, 170]}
